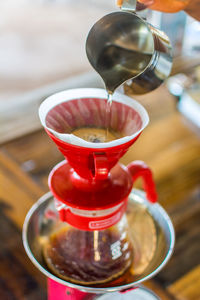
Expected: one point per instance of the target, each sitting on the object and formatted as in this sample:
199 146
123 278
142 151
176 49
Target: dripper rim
73 94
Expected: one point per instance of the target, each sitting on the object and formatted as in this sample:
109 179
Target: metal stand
140 293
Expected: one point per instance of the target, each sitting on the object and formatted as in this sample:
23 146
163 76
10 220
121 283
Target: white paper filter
71 109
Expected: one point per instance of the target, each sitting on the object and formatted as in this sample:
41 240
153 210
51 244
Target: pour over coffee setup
94 236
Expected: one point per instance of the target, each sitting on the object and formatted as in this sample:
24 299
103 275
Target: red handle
101 166
140 169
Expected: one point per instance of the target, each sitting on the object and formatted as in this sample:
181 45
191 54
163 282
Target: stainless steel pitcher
123 48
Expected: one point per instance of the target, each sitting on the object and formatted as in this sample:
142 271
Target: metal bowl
42 218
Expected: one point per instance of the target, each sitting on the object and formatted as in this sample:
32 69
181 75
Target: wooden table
171 149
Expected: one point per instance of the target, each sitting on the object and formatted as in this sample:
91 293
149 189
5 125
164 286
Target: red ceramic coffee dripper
68 110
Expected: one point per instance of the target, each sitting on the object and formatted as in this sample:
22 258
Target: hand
192 7
169 6
146 2
139 3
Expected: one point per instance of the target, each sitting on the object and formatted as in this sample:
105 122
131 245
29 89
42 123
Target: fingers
147 2
119 3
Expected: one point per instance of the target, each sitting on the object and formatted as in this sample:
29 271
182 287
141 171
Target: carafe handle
140 169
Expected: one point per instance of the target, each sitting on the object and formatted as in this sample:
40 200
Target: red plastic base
57 291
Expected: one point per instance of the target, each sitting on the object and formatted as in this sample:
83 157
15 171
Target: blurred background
42 51
42 43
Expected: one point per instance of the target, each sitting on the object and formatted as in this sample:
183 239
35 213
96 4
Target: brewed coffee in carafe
89 257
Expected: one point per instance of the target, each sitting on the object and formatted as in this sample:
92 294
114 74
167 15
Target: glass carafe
89 257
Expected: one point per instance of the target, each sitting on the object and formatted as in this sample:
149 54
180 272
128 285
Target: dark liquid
97 135
87 257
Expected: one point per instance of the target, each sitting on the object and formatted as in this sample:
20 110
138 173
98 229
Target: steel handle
129 5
